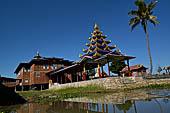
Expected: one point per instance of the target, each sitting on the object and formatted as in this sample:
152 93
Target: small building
33 74
167 69
9 82
136 70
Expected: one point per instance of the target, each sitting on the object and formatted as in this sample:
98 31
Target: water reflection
130 105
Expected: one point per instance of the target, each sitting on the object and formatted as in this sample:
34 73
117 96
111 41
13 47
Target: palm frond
151 5
135 24
133 13
141 5
154 22
143 14
153 17
134 20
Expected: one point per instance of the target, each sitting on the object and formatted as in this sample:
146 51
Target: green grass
154 86
55 95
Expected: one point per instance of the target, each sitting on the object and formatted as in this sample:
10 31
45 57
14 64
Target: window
38 74
25 106
38 111
26 80
26 70
19 73
61 65
45 66
54 66
37 66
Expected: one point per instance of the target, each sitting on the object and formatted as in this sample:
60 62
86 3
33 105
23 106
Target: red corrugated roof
135 67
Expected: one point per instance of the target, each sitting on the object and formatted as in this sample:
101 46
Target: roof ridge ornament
38 53
96 27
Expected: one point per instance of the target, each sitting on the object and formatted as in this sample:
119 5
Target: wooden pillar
84 73
98 68
87 107
108 69
77 76
71 78
106 108
137 73
72 105
41 86
81 75
114 110
15 88
102 71
102 108
97 107
65 74
22 87
142 73
83 105
61 79
145 73
57 79
79 106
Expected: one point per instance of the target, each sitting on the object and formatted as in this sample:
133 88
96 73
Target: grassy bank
154 86
90 91
55 95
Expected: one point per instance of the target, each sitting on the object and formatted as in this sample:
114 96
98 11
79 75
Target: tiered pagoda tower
98 54
98 46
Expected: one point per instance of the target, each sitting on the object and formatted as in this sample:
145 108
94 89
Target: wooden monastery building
32 74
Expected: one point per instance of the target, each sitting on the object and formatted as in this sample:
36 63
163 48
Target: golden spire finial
77 62
96 27
80 55
118 51
38 53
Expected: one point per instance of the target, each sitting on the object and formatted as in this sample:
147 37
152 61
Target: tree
91 72
142 15
116 67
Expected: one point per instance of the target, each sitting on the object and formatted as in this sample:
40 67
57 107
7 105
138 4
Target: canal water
138 101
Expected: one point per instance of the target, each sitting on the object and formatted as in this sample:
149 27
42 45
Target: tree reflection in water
125 107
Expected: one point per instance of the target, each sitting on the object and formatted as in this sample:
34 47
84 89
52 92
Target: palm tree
142 15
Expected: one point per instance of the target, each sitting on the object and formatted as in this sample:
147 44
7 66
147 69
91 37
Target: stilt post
22 88
41 86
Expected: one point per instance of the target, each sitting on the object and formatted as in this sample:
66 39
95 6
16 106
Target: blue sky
60 28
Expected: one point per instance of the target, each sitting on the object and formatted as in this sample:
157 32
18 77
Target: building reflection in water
68 107
80 107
